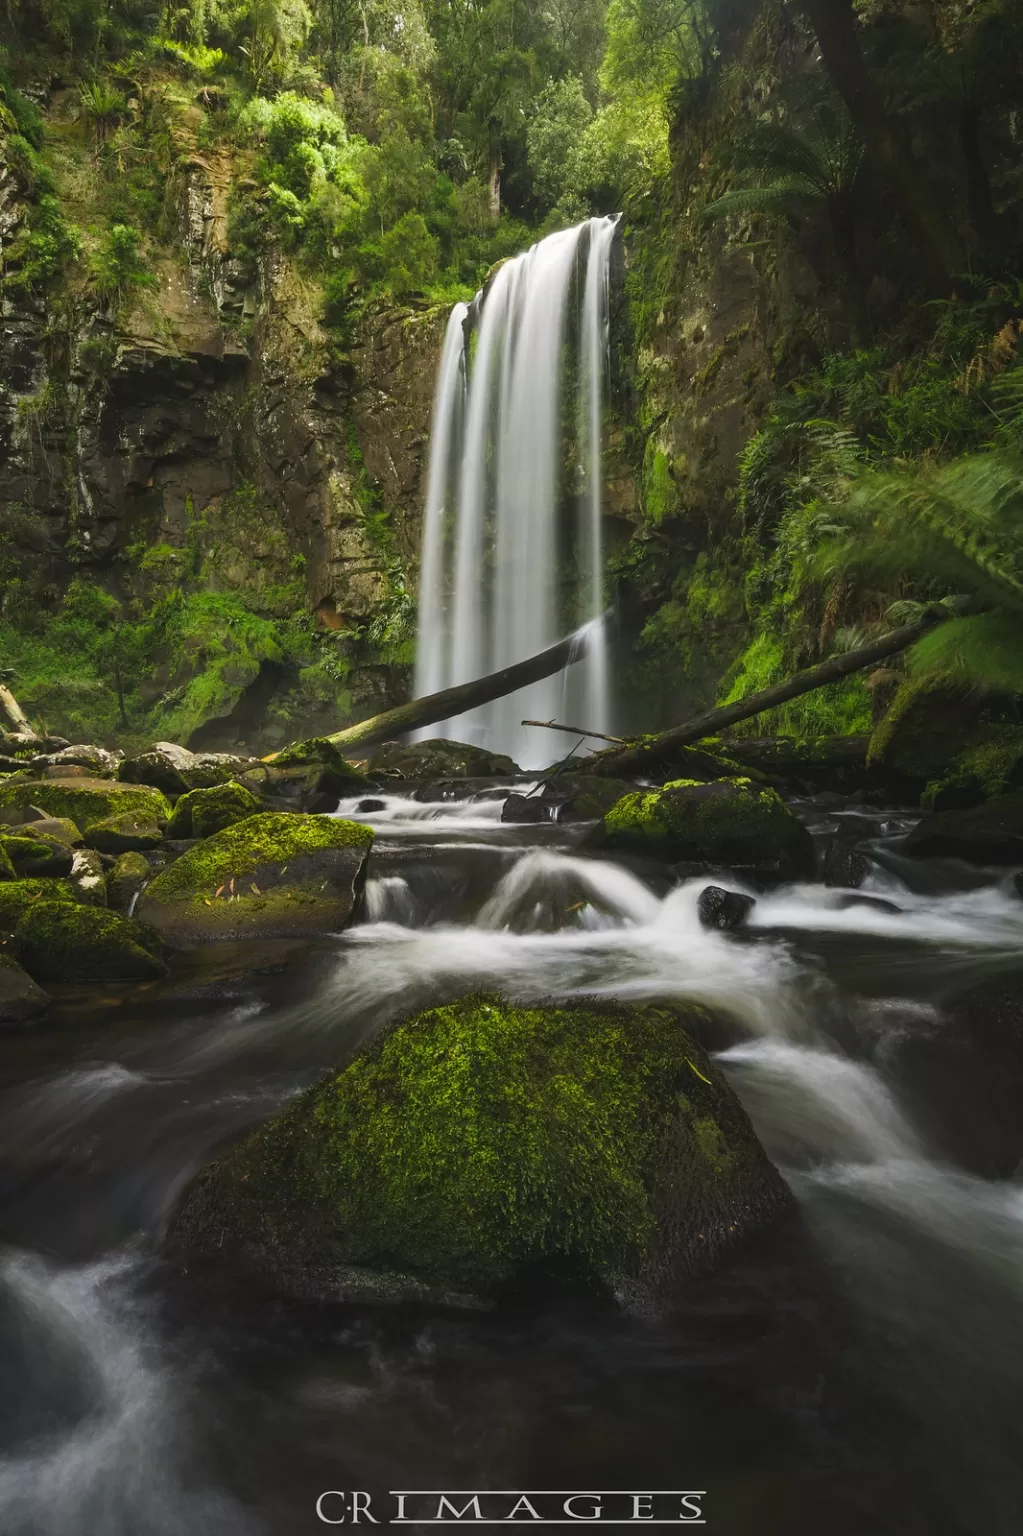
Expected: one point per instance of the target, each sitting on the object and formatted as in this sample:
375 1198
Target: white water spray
496 542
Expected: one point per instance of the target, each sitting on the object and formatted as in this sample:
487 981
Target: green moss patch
17 896
204 812
85 801
57 941
477 1141
732 822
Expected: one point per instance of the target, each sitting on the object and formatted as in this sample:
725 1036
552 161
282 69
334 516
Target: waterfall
512 554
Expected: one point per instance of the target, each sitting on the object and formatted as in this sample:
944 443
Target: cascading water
496 541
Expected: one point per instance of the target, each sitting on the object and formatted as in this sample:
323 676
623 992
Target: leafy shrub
118 268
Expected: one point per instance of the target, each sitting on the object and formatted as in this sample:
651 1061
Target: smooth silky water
859 1369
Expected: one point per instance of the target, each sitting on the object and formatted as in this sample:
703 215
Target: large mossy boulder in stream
730 823
957 744
279 874
68 941
477 1145
84 801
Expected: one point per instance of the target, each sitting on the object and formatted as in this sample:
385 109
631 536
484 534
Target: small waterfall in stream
504 571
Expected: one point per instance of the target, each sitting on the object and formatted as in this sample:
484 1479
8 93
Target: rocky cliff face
218 435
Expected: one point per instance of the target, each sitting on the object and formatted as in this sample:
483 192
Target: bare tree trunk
834 22
634 759
456 701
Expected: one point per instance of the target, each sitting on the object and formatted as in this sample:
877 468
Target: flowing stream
512 554
858 1369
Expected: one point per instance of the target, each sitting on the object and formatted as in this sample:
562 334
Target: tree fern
959 525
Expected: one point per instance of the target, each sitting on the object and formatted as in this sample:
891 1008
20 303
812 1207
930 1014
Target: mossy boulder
928 723
84 800
37 855
732 823
19 896
478 1143
991 833
7 870
21 999
59 829
202 812
60 941
127 832
804 764
279 874
125 881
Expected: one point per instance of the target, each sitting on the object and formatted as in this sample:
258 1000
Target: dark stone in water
525 810
366 806
718 908
842 864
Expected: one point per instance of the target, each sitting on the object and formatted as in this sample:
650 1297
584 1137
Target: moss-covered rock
20 997
202 812
61 941
37 855
731 822
928 723
60 829
127 832
18 896
279 874
991 833
7 870
85 801
125 881
477 1143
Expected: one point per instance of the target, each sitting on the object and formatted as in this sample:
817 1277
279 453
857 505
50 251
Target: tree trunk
835 25
15 716
978 186
634 759
456 701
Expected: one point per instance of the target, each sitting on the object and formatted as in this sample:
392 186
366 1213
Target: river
859 1369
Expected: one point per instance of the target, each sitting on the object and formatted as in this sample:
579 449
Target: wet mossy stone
202 812
60 829
18 896
928 723
478 1143
124 882
37 855
732 823
21 999
991 833
804 764
127 832
85 801
7 869
57 941
175 769
279 874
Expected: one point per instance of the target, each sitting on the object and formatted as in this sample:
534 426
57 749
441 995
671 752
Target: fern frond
986 648
961 523
779 199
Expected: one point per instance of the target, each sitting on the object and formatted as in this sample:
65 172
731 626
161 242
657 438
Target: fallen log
636 757
450 702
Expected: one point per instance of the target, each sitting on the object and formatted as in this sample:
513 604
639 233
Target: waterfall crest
512 553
